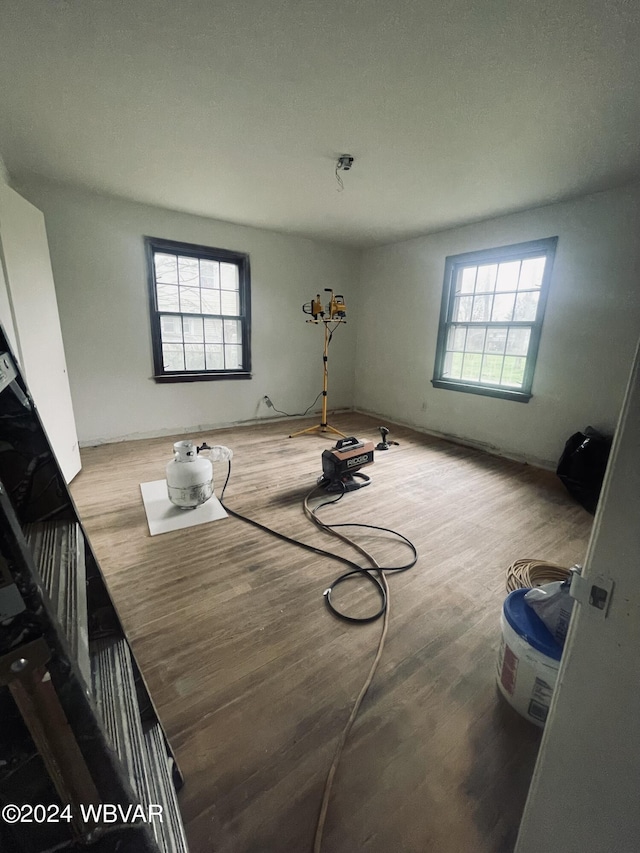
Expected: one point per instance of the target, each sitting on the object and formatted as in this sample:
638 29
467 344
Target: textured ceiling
454 110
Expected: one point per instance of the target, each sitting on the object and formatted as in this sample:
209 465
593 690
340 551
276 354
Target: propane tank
189 476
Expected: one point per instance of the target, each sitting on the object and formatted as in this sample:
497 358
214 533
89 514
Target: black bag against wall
583 464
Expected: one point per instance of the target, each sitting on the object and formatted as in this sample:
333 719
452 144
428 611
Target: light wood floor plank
254 679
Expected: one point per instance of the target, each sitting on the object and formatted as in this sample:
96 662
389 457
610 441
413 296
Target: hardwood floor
254 679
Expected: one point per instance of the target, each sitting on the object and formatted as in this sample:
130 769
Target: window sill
201 377
483 390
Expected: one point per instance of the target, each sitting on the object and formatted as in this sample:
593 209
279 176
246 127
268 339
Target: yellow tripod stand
336 312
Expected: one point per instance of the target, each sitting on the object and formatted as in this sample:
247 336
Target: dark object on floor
583 464
384 444
343 462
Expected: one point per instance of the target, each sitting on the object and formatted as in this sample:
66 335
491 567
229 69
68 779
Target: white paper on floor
163 516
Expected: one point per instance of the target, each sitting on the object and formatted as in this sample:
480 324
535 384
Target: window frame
453 263
192 250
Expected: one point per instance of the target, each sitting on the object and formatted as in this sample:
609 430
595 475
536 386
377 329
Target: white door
31 300
585 792
6 316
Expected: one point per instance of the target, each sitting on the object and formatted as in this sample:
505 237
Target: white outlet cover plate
163 516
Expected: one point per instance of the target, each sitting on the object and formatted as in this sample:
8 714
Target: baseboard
199 429
465 441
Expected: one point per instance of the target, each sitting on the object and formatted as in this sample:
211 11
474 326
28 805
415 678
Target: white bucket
526 677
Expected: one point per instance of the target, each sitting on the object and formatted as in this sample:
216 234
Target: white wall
393 293
101 279
586 784
588 338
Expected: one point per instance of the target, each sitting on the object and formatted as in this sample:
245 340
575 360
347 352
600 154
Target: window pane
518 343
503 307
496 340
232 357
214 356
475 340
229 277
508 275
171 329
481 308
466 280
462 308
166 268
194 356
491 369
526 305
457 335
167 297
229 302
232 334
531 273
172 357
188 270
210 301
212 330
209 274
471 366
513 371
453 365
486 281
193 331
190 300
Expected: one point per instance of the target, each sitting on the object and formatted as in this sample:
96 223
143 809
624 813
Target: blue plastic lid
526 622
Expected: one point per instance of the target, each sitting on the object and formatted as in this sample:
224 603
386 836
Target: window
200 312
493 304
